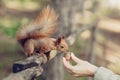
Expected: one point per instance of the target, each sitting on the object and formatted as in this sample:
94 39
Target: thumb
66 64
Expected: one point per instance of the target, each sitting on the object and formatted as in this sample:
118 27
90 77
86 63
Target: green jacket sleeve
105 74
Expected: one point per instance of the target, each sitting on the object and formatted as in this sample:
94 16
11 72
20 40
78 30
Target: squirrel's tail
43 26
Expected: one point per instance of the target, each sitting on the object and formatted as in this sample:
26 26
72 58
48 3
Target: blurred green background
15 13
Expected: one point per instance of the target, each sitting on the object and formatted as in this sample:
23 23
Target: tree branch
29 68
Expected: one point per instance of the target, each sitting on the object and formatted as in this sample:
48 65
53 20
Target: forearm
105 74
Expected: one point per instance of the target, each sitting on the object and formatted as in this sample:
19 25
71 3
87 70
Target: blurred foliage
24 4
109 12
10 27
77 46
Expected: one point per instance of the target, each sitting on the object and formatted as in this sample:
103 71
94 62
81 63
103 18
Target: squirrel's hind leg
29 48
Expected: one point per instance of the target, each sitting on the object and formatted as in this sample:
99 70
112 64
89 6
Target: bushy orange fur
34 37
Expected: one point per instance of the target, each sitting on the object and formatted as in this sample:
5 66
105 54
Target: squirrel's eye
62 47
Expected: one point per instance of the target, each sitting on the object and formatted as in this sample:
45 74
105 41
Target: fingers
67 65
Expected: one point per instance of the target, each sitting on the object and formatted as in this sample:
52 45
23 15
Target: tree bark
53 70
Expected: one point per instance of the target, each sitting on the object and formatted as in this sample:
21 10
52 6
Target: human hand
81 69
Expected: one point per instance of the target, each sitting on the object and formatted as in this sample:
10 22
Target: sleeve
105 74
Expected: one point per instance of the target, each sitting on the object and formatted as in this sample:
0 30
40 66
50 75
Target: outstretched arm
86 69
82 68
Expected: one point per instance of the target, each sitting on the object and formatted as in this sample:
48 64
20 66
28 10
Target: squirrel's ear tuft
58 41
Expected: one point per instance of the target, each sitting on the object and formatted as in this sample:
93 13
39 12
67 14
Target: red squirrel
34 37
